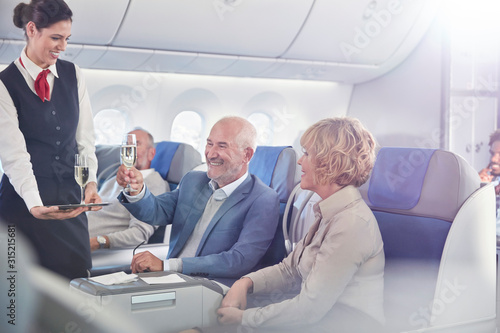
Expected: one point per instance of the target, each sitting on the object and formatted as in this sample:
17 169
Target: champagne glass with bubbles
129 152
81 173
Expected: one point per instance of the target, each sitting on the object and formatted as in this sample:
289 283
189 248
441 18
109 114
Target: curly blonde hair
343 151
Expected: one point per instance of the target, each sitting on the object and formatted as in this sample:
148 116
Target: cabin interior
419 74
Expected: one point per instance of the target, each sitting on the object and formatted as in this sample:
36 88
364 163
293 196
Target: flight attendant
46 119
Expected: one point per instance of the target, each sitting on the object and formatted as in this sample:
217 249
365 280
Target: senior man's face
226 162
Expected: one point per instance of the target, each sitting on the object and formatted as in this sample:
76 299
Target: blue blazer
237 237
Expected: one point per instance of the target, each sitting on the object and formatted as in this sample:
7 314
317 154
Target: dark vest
49 128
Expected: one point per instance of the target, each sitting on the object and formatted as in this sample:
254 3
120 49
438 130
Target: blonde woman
339 265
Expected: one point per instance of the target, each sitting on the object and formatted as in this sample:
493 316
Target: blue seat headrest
264 161
398 176
421 182
165 151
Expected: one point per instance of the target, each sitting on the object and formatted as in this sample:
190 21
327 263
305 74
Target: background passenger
223 220
113 226
46 119
339 265
492 172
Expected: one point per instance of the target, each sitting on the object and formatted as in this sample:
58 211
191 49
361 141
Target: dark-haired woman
45 117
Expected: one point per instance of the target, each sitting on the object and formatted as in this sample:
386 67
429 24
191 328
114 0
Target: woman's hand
227 316
54 213
236 297
91 195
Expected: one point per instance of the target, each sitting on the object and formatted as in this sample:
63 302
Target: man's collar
231 187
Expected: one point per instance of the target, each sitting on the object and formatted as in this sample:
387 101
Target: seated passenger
113 226
339 265
491 174
223 220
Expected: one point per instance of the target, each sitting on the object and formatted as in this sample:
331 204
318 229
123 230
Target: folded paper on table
171 278
114 278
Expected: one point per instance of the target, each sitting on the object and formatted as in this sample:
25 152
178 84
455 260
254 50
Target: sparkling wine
82 175
129 155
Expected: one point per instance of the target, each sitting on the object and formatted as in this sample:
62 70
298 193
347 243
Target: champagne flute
129 152
81 173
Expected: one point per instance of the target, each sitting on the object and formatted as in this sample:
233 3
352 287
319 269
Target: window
264 126
187 127
109 126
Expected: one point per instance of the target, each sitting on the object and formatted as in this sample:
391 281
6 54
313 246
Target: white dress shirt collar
32 68
229 188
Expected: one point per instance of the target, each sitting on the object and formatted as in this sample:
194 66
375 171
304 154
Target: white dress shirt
13 153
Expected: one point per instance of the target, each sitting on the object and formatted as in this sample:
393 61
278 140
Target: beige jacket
341 259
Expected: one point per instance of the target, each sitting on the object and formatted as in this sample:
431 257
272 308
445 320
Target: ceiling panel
246 66
167 61
208 64
116 57
89 55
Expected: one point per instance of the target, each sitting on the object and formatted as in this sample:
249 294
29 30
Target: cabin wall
404 107
152 100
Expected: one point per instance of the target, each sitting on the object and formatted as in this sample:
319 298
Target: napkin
171 278
114 278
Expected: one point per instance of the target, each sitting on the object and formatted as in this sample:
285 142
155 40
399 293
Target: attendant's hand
146 261
130 176
91 195
485 175
54 213
227 316
236 297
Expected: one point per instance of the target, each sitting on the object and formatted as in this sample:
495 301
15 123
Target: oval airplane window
187 127
109 126
264 125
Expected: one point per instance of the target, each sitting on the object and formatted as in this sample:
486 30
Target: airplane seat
438 228
277 168
108 161
298 216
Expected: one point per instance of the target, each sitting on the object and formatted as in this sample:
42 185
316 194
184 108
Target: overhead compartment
259 28
11 49
96 22
365 32
325 40
7 28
